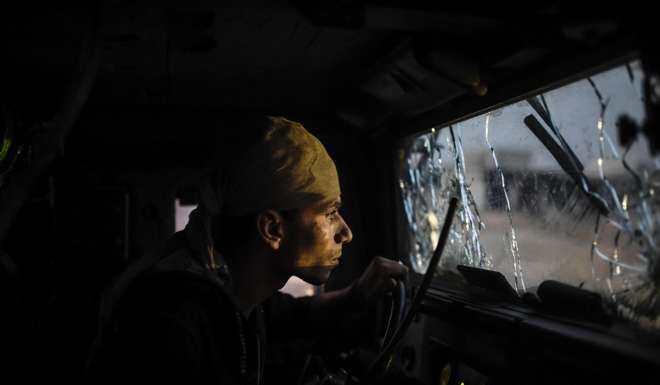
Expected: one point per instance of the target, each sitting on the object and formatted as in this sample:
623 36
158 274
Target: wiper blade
567 161
544 113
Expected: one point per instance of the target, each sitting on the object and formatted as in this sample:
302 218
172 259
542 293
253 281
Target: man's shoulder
176 283
174 291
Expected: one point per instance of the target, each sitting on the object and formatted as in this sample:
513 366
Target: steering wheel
398 319
381 364
397 307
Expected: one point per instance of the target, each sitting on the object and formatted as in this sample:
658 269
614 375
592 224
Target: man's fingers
392 283
388 266
382 274
401 269
395 269
386 285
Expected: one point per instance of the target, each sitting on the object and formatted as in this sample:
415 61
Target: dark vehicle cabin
542 122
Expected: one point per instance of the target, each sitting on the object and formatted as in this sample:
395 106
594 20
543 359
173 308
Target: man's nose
345 235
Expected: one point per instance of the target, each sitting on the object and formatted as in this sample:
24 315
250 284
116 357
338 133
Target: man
194 313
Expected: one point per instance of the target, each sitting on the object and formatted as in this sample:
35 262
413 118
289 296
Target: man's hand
328 310
378 279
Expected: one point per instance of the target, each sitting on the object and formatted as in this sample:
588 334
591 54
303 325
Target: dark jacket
174 322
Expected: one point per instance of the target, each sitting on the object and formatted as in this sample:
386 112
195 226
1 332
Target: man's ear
270 225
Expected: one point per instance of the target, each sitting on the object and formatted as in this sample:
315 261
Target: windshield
547 192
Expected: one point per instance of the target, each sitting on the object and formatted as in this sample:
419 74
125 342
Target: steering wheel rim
397 302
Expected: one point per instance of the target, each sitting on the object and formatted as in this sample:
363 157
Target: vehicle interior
505 153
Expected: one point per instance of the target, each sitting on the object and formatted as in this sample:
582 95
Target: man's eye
332 213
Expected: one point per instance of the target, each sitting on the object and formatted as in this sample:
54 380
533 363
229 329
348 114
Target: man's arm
379 278
330 313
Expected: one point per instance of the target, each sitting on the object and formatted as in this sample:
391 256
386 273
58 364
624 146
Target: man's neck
253 282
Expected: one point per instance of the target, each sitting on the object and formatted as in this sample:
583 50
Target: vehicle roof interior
357 73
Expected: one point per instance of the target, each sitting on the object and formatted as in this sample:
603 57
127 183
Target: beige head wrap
287 168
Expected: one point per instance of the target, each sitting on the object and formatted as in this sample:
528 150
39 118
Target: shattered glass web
523 216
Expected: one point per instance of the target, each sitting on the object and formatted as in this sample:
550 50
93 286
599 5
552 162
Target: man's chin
315 275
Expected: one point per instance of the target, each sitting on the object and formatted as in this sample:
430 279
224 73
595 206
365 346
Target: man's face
314 239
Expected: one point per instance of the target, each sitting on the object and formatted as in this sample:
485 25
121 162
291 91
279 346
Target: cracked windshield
550 189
